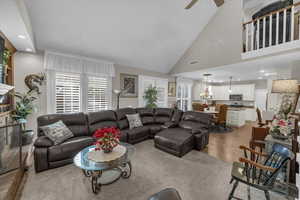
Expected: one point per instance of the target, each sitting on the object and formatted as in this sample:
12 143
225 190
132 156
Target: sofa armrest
169 125
43 141
199 131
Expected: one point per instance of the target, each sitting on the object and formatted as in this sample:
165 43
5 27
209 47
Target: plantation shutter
99 97
67 93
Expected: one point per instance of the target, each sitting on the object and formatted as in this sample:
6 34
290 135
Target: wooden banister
272 13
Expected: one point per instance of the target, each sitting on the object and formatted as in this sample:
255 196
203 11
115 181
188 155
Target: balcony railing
275 28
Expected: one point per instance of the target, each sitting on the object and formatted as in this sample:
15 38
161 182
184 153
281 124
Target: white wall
220 42
25 64
133 102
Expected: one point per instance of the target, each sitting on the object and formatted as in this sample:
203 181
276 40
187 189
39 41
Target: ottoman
177 141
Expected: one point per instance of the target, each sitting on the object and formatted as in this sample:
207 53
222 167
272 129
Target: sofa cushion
101 119
58 132
43 141
203 118
121 117
192 125
147 120
76 122
134 120
145 111
154 128
69 148
137 134
176 117
146 115
162 115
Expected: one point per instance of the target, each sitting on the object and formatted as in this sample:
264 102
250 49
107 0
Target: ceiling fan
218 3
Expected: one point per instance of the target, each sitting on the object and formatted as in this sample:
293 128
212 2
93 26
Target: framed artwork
172 89
129 85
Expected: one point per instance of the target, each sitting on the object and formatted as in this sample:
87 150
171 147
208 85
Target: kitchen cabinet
222 92
235 118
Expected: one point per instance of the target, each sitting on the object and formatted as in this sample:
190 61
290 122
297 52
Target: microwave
236 97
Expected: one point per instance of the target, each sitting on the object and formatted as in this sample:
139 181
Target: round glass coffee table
104 173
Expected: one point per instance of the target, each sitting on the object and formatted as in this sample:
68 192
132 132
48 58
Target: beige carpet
197 176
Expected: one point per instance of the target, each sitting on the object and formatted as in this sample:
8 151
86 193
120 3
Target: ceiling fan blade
191 4
219 2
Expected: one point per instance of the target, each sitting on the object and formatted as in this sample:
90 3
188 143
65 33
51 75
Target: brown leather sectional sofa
174 131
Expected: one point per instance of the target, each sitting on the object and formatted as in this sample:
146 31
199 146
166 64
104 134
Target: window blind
98 93
67 93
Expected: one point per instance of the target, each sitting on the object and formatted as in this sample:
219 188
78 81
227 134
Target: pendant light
230 84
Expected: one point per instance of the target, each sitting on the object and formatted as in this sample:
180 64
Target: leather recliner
191 132
168 126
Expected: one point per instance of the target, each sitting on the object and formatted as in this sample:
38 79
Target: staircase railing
275 28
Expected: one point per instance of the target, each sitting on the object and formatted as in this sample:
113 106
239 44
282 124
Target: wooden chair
294 166
220 118
198 107
259 118
260 173
258 137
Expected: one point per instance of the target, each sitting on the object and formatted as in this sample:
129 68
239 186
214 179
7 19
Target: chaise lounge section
173 131
180 138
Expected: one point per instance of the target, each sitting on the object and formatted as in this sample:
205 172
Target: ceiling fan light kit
193 2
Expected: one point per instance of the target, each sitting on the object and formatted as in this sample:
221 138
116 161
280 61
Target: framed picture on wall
129 85
172 89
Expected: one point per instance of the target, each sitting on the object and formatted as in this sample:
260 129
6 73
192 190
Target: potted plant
24 107
106 139
151 97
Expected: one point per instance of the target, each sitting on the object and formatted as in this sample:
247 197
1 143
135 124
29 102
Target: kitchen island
237 116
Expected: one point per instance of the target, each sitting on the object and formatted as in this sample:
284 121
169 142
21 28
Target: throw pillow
58 132
134 121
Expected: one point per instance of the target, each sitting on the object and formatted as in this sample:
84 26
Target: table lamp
286 87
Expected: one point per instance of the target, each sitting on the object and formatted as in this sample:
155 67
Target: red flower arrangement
106 139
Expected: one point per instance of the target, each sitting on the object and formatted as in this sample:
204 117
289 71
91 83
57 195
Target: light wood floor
225 146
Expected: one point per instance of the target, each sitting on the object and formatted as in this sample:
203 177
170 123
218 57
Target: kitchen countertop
236 108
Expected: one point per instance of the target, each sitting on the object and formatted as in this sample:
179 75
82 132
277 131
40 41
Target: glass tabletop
81 160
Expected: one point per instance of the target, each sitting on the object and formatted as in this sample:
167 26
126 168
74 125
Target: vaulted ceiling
148 34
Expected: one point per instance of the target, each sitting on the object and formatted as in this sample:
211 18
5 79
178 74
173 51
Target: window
76 93
184 96
67 93
98 93
162 88
77 84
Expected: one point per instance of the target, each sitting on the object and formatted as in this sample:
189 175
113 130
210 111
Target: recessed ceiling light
259 77
21 36
239 79
262 71
28 49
